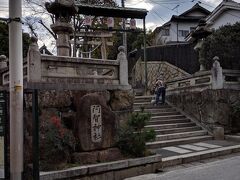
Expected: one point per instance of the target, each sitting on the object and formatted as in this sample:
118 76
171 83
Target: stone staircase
172 127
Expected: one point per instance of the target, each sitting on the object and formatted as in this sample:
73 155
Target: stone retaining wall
210 107
155 69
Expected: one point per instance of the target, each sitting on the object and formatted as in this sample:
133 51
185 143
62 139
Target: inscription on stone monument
96 123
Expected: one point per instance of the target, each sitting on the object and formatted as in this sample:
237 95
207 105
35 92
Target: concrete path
227 169
193 147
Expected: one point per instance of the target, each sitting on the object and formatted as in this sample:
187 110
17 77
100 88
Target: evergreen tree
224 43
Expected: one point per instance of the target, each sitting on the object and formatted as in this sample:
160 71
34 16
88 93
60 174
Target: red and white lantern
110 22
132 24
88 21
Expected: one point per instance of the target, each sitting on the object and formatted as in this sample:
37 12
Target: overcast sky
160 11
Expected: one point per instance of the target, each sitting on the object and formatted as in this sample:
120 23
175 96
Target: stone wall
74 110
155 70
210 107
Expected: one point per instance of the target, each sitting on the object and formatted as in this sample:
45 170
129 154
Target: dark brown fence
180 55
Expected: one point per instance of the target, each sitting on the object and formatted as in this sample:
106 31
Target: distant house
178 27
44 50
227 12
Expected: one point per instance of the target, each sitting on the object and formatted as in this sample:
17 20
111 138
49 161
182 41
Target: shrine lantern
132 24
88 21
110 22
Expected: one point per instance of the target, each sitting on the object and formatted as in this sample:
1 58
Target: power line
200 2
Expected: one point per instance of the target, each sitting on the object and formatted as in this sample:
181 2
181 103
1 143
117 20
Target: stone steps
177 130
165 143
148 105
168 121
170 126
171 113
157 110
165 117
180 135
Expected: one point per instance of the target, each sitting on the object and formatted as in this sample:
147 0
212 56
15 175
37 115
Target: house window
165 32
183 33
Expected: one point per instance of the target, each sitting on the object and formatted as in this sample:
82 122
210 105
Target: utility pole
16 89
145 57
124 33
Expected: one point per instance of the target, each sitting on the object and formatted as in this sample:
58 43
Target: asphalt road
227 169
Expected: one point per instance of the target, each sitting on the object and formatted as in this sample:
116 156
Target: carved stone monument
95 123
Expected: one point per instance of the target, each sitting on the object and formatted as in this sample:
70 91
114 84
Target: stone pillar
34 62
217 74
3 62
63 31
123 69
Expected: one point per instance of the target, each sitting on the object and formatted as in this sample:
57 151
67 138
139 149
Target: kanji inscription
96 123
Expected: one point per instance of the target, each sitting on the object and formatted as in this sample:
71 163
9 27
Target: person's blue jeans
160 92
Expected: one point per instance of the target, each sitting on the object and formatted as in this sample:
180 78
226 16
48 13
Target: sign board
132 24
96 123
88 20
110 22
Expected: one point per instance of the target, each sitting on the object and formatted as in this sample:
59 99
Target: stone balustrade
61 72
200 81
216 78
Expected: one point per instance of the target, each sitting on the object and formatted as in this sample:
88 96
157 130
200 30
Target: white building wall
227 17
181 26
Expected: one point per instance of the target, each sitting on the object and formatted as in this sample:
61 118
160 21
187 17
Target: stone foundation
210 107
69 107
117 170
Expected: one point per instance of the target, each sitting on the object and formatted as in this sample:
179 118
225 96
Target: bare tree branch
48 29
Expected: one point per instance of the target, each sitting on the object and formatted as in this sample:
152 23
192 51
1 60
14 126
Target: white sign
110 22
96 123
132 24
88 20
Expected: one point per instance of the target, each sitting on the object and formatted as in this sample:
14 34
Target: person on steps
161 91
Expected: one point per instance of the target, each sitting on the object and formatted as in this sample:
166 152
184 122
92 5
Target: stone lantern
63 11
200 34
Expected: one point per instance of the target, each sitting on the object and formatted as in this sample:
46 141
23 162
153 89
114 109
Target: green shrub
224 43
132 137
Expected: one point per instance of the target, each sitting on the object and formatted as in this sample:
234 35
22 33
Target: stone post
34 62
3 62
123 69
218 133
217 74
